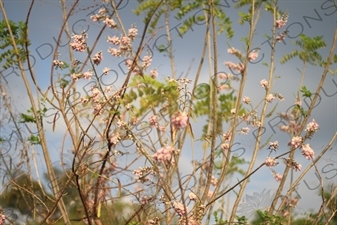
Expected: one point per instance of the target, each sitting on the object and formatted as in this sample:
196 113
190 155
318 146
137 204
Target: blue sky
309 17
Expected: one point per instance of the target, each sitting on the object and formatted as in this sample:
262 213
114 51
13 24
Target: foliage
19 33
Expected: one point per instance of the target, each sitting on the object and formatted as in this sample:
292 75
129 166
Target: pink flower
286 213
225 147
94 18
296 142
114 40
146 61
114 138
125 40
79 42
281 36
270 162
223 76
153 121
307 152
153 73
87 75
270 98
110 23
282 22
279 24
252 56
223 87
58 64
107 89
192 196
214 181
164 154
244 130
235 52
162 128
102 11
277 177
284 128
273 146
227 136
238 67
132 33
293 202
312 127
241 67
106 70
179 120
264 83
296 166
246 100
75 76
232 50
179 208
114 52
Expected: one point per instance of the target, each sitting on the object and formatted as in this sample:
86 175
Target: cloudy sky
313 18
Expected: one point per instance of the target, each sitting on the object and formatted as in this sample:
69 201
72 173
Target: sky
313 18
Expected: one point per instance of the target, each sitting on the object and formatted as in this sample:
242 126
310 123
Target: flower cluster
214 181
123 43
277 176
234 51
225 147
132 33
264 83
192 196
237 67
246 100
141 174
153 73
296 142
146 61
307 151
273 146
244 130
100 16
106 70
58 64
153 121
86 75
114 138
179 208
270 98
79 43
292 128
98 57
252 56
110 23
164 154
281 36
270 162
312 127
282 22
293 164
153 221
227 136
179 120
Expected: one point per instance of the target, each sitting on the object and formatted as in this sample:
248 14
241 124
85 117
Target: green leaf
34 140
25 118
